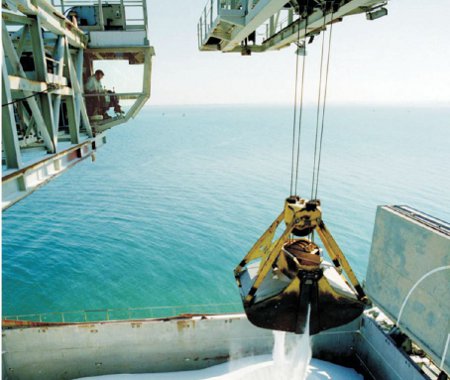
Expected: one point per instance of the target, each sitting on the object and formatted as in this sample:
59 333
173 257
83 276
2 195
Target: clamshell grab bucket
282 300
279 279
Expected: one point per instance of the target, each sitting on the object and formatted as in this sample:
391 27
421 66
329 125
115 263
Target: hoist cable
26 97
297 167
324 104
318 106
294 120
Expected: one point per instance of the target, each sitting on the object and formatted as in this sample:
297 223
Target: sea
178 196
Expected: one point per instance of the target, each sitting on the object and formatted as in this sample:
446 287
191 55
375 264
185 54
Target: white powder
252 368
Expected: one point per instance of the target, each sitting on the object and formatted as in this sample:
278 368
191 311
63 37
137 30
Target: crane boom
248 26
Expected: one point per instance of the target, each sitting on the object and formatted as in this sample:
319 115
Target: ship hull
179 344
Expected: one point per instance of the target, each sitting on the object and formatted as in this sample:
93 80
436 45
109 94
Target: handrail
209 15
131 18
96 315
215 8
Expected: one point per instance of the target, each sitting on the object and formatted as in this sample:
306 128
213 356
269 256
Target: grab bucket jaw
279 279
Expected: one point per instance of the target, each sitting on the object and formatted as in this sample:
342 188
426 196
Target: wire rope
297 169
324 103
26 97
320 126
316 140
295 119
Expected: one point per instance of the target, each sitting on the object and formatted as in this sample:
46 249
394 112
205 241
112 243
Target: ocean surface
178 196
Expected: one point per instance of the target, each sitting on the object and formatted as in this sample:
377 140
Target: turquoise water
178 196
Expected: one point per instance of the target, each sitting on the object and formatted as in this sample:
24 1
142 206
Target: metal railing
214 8
127 314
207 19
135 11
272 28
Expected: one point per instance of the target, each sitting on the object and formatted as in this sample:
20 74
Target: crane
285 282
49 50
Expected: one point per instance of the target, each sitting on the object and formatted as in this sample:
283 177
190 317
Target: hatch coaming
408 277
186 343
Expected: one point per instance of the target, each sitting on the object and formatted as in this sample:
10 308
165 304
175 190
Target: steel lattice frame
45 125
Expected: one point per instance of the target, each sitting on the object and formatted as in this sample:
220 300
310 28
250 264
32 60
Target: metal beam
18 184
40 67
15 19
78 90
79 101
11 54
73 116
221 35
73 120
121 49
58 56
9 130
315 22
23 39
53 20
255 17
30 124
24 84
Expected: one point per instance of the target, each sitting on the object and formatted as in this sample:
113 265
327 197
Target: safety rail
276 24
129 102
121 95
230 11
135 11
128 313
207 19
215 8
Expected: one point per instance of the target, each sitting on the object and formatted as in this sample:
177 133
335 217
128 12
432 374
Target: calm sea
178 196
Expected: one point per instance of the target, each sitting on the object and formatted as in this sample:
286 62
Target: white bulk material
252 368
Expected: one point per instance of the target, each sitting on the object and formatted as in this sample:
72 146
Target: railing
272 28
135 11
207 19
215 8
129 313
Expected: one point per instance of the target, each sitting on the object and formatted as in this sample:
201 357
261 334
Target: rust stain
11 324
87 326
136 324
94 331
185 324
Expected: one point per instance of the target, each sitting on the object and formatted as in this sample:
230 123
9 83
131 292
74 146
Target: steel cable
295 118
324 104
27 97
301 102
316 141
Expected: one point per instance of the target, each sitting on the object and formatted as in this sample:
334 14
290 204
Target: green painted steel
409 276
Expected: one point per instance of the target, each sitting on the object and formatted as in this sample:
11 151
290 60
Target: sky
400 59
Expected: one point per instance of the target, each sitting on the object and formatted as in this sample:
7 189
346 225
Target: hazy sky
403 58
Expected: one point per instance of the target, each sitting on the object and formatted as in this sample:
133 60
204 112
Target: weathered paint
74 350
409 276
87 349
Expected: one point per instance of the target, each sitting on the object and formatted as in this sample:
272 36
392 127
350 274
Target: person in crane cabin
99 105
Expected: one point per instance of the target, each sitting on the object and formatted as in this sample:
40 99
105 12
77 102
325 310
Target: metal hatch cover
408 276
